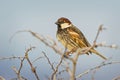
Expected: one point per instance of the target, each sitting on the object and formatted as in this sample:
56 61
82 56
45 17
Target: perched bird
71 37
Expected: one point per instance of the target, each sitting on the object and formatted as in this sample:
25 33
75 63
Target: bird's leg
71 51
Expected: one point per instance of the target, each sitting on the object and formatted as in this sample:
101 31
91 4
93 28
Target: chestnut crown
63 20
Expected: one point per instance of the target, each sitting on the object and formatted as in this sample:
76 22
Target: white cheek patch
65 25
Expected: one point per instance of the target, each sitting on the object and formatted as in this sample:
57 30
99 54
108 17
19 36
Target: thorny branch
73 59
53 45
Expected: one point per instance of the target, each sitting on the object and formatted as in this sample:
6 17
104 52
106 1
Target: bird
72 38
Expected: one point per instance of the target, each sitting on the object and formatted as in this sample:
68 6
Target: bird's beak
56 23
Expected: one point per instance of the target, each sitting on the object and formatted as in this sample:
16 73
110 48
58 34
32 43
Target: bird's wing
77 36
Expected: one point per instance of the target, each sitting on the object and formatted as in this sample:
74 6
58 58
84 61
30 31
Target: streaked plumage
71 37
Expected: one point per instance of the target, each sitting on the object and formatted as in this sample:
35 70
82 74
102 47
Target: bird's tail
97 53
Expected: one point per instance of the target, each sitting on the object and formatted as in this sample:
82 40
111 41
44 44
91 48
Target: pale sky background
40 16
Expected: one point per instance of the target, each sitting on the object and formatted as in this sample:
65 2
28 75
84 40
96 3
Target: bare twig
15 34
99 29
114 46
93 74
42 39
82 51
33 69
10 58
96 68
53 77
54 46
51 65
74 59
17 73
19 70
21 65
2 78
37 59
116 78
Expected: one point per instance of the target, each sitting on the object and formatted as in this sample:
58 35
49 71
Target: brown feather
72 38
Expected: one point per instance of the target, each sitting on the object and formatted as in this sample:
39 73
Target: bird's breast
64 38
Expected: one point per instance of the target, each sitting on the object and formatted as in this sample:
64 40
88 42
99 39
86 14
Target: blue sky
40 16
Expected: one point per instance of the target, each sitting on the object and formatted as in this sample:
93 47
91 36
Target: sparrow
72 38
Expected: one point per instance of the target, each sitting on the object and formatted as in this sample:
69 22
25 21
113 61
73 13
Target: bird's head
63 22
